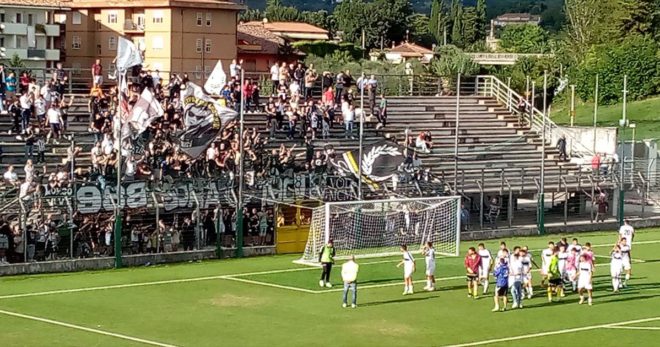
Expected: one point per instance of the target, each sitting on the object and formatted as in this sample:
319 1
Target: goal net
377 228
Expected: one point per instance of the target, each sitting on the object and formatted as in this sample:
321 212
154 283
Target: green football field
268 301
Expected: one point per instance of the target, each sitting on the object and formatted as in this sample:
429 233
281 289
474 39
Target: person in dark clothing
561 147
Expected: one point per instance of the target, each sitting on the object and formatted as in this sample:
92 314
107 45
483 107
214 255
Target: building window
19 18
208 19
112 43
199 19
157 17
29 19
198 46
76 18
2 17
112 17
207 71
2 41
157 42
75 42
207 46
198 72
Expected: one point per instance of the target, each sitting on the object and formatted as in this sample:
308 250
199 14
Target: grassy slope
227 313
645 113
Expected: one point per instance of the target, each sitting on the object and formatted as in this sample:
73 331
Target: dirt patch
386 328
231 300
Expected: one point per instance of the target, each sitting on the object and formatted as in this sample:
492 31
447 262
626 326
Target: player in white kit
408 263
627 232
486 265
527 262
546 256
625 260
615 267
429 256
503 252
584 276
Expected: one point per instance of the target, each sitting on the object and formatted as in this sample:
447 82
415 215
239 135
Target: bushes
325 48
635 56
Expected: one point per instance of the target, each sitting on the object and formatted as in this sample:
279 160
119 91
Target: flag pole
118 217
239 207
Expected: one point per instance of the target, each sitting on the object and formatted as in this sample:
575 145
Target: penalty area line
555 332
82 328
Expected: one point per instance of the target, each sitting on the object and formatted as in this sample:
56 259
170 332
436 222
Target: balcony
52 29
33 54
13 29
130 27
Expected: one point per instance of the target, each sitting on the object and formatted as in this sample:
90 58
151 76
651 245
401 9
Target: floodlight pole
541 212
360 139
595 115
624 124
456 129
239 205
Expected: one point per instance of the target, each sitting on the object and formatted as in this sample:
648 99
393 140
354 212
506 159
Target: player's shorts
430 269
584 283
472 277
615 270
626 264
570 274
555 282
483 272
502 291
527 277
407 270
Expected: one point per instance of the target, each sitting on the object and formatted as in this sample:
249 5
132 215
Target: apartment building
30 30
175 35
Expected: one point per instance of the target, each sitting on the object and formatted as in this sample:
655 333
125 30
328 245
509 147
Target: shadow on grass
404 299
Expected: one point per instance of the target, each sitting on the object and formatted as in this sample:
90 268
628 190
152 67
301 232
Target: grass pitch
269 301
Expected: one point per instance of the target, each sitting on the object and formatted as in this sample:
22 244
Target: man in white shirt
54 116
349 271
10 176
348 113
26 101
275 77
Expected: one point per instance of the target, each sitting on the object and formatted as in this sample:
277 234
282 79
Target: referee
327 258
349 273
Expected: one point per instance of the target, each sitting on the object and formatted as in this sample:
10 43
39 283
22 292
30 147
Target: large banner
381 162
204 119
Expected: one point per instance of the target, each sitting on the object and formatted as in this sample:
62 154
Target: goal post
376 228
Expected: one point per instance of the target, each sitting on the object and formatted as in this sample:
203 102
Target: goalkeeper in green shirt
327 258
555 282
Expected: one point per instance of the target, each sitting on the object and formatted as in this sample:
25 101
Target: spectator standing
24 83
275 78
349 272
3 82
26 101
40 107
310 79
561 147
299 76
348 113
55 120
10 85
29 138
339 88
97 73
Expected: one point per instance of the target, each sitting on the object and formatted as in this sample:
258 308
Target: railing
493 87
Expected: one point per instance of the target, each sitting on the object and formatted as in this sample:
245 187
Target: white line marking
632 328
90 330
117 286
238 279
554 332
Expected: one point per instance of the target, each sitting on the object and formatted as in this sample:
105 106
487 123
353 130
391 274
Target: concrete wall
129 261
606 138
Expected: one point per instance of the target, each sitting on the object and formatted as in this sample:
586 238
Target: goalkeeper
327 258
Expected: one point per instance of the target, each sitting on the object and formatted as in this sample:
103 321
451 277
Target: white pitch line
238 279
632 328
554 332
116 286
90 330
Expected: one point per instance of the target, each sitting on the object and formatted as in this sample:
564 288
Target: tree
386 19
470 26
524 38
453 61
438 20
456 23
482 21
419 30
16 62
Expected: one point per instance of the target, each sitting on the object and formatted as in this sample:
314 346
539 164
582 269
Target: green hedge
326 48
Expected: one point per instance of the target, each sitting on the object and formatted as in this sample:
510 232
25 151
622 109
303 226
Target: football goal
376 228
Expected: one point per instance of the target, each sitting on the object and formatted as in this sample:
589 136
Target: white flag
128 55
145 111
217 80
